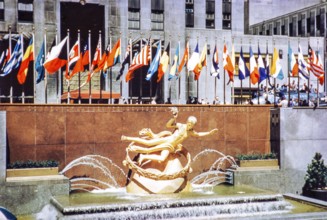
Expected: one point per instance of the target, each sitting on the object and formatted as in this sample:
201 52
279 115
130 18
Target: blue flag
154 64
15 59
39 64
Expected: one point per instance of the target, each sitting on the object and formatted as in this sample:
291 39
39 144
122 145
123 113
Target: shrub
316 176
32 164
256 156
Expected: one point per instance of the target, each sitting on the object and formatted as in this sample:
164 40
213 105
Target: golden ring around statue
161 176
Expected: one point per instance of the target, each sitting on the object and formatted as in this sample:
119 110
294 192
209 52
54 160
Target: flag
215 64
254 72
173 69
57 57
28 57
194 59
139 60
73 56
15 59
228 65
316 66
243 70
184 59
276 67
164 62
39 64
261 66
114 56
293 66
86 56
202 62
81 62
96 58
102 64
126 61
154 64
5 55
303 65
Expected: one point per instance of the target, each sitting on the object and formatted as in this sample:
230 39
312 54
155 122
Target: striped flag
316 66
243 70
57 57
139 60
303 65
28 57
15 58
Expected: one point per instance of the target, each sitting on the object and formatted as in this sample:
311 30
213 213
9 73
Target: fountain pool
218 202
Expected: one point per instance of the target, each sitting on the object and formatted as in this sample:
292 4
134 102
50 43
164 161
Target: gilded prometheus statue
159 150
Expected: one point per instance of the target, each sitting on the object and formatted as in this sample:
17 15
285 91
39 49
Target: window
322 22
25 10
189 13
2 10
210 14
134 14
291 29
157 15
308 25
227 12
299 27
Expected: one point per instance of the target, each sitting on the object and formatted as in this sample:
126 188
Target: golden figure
165 142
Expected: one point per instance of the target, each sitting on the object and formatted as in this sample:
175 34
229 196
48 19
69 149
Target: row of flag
78 59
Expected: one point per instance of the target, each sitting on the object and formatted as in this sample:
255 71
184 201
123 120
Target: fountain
158 185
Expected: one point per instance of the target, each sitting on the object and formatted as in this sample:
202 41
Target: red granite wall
66 132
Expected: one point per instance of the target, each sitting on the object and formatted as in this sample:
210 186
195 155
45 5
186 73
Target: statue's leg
147 150
146 142
160 158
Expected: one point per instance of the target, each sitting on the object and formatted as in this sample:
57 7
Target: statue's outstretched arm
202 134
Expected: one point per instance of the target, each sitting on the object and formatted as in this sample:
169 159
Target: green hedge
32 164
256 156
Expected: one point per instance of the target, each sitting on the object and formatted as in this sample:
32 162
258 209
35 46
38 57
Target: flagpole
67 69
224 79
100 74
10 51
130 63
206 73
33 68
45 71
197 81
79 73
151 77
215 88
188 77
318 78
308 96
289 75
120 58
169 65
110 72
244 75
22 50
59 78
233 62
298 78
274 77
90 63
250 89
179 76
258 93
140 81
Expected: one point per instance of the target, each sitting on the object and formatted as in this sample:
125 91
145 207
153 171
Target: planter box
32 172
315 193
258 163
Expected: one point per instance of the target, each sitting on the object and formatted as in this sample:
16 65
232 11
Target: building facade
212 22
